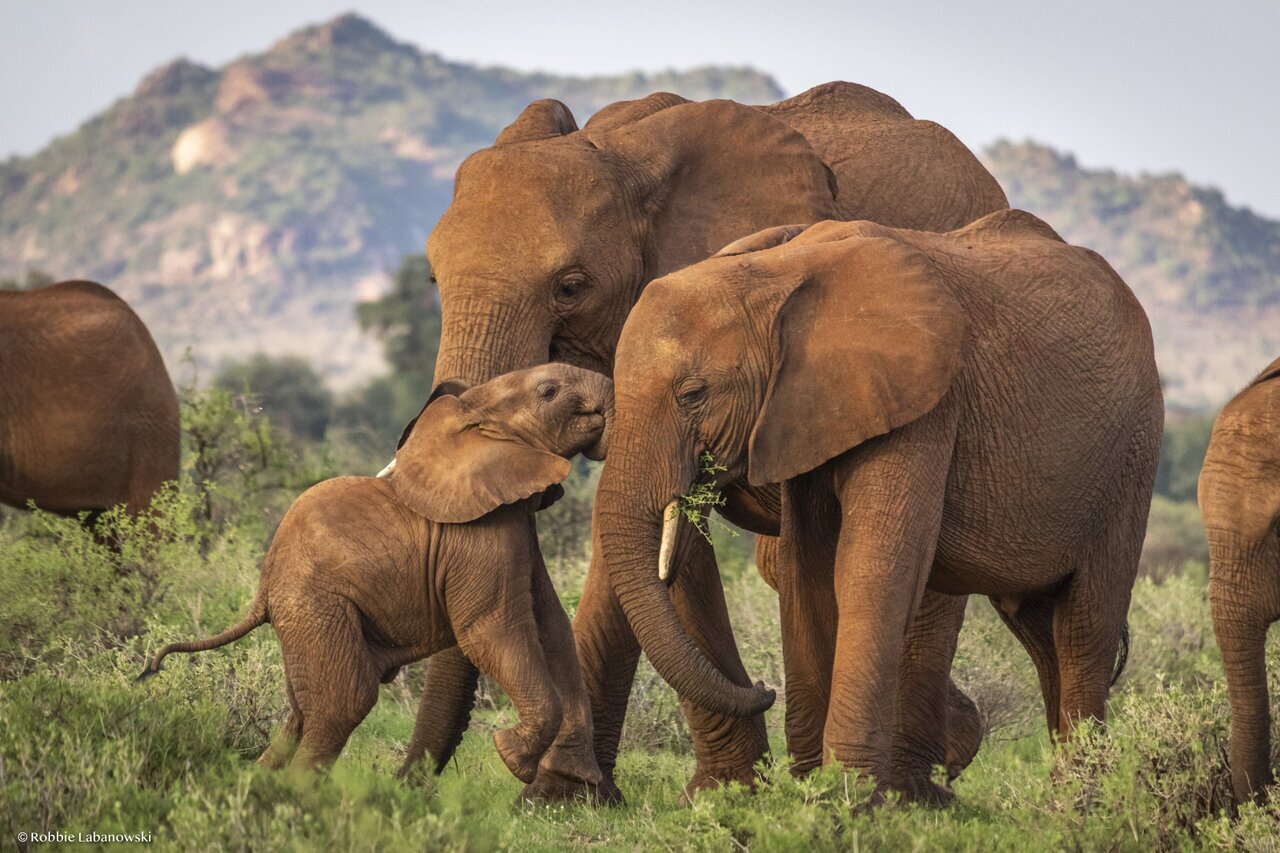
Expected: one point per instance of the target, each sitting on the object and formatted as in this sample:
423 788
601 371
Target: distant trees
407 322
1186 438
287 389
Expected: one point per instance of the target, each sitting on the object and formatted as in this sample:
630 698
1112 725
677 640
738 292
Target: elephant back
891 168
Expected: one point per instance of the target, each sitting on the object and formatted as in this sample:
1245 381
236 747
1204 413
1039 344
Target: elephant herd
822 311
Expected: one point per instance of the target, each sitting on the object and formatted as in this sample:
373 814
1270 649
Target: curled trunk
630 541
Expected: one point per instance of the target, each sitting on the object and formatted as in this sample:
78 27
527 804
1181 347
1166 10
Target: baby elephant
368 574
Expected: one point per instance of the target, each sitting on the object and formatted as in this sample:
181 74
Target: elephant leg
1032 624
726 748
444 710
607 653
510 651
802 575
280 751
1244 592
569 767
891 493
924 730
1087 625
334 682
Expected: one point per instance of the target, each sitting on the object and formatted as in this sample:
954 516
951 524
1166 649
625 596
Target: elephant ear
867 338
714 171
451 470
761 240
540 120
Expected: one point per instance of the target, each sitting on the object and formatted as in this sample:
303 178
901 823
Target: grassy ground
84 748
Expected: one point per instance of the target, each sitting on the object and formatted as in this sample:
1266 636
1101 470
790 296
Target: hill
1208 273
249 207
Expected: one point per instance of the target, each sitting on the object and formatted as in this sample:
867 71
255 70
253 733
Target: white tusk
391 466
670 520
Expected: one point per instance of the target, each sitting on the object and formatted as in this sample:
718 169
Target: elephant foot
520 759
550 788
919 788
706 779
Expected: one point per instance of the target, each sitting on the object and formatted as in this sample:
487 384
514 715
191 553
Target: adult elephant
1240 502
972 412
88 416
550 239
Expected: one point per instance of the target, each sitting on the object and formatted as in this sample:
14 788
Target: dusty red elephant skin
554 232
1240 504
972 412
88 416
368 574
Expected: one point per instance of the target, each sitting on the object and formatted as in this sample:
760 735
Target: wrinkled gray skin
550 239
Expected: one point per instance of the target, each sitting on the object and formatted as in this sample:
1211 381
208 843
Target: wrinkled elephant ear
761 240
714 171
868 338
540 120
451 472
451 387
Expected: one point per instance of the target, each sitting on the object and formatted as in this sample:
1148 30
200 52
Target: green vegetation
287 389
83 747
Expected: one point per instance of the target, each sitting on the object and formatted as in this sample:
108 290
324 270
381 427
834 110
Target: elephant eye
548 391
570 288
692 392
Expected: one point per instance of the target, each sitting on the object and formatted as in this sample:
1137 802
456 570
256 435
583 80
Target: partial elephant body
554 233
972 412
1240 504
88 416
891 168
366 575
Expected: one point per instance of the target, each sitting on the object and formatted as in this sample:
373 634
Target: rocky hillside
249 207
1207 273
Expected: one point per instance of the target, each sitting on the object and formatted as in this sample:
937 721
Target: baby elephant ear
451 472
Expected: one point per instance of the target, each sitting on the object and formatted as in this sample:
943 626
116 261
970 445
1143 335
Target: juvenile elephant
972 412
368 574
88 416
554 232
1240 504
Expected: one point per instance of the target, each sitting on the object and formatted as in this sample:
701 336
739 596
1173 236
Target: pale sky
1138 85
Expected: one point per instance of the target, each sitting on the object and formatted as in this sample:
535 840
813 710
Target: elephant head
501 442
554 231
788 349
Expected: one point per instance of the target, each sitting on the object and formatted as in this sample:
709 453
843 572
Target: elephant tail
257 617
1122 656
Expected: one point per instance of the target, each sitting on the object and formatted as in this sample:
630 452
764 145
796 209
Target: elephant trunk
1240 622
602 392
629 539
482 337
